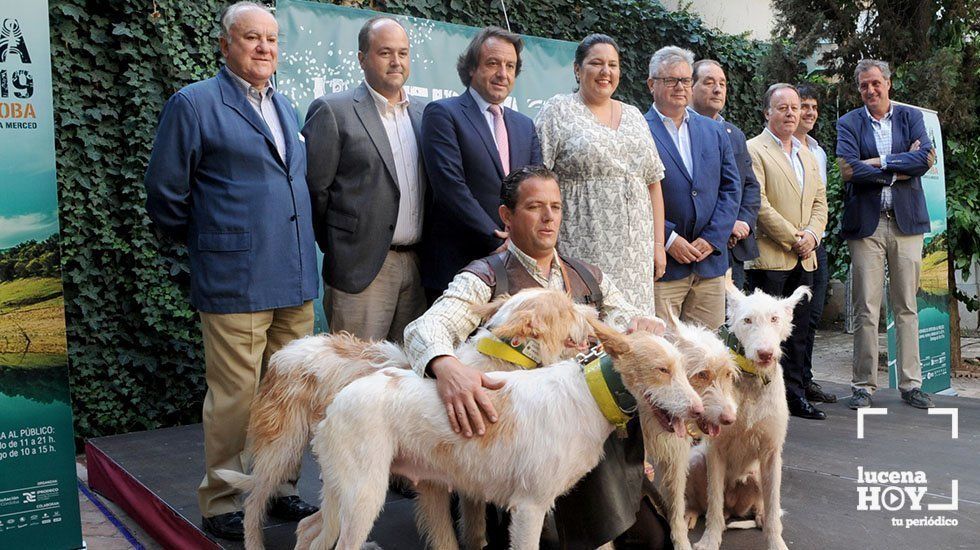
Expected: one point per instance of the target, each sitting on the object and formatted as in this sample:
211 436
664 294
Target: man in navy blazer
702 191
708 97
469 143
883 150
227 176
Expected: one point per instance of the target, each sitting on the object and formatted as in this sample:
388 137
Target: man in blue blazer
708 97
702 191
469 143
883 150
227 176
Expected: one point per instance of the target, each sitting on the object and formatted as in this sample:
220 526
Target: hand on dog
461 388
683 251
647 324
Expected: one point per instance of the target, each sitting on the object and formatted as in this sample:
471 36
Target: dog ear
488 310
523 323
794 298
613 341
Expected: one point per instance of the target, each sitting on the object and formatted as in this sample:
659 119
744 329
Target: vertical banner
933 295
38 486
318 55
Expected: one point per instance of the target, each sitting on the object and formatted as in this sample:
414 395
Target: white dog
550 433
753 445
303 378
711 371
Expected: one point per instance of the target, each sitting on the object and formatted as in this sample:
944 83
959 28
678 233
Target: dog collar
523 353
738 353
606 386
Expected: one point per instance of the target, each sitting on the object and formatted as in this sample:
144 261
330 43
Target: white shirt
820 155
266 109
793 156
484 106
405 152
682 140
882 130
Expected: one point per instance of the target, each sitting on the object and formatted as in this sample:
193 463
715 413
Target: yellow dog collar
507 351
606 386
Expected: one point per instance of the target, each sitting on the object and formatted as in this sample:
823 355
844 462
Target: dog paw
371 546
777 544
710 544
681 544
760 521
691 518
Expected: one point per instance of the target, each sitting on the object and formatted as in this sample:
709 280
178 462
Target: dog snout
727 418
765 355
696 409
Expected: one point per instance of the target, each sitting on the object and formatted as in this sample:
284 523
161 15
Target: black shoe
815 394
804 409
917 398
291 508
230 526
859 399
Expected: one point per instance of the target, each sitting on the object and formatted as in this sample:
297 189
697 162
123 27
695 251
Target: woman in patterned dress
609 172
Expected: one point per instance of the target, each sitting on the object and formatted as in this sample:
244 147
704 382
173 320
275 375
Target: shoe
230 526
291 508
804 409
917 398
815 394
859 400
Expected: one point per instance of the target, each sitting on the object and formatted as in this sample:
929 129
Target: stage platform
154 475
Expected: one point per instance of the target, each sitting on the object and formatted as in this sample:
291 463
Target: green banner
318 55
38 486
933 295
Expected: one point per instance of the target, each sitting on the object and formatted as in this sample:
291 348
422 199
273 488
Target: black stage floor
819 496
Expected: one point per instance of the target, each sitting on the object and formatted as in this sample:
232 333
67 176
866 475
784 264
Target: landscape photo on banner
932 298
318 55
38 485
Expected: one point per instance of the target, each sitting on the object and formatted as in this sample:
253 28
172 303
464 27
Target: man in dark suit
469 143
883 150
701 187
708 97
227 177
367 183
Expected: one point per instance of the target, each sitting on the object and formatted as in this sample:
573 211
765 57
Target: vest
505 274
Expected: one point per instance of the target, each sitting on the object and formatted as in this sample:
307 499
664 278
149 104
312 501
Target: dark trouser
738 273
821 279
783 283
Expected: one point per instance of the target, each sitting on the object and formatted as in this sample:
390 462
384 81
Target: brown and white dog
550 433
303 378
712 373
752 448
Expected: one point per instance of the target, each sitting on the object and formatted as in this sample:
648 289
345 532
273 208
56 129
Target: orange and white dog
304 376
549 434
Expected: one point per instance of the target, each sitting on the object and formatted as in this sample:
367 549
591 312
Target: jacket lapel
367 112
472 112
776 154
664 142
235 98
287 123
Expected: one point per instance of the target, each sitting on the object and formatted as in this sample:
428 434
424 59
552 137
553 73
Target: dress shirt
484 106
882 130
797 163
682 140
821 157
266 109
405 152
451 320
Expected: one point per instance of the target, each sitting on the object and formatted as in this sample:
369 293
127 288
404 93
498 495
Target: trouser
783 283
868 256
692 299
382 310
237 348
821 278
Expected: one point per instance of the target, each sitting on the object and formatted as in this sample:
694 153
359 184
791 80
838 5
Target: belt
403 247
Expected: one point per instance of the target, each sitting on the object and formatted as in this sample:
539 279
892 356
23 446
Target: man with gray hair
227 176
792 218
702 187
883 150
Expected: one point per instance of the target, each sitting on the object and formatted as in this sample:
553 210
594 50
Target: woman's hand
659 261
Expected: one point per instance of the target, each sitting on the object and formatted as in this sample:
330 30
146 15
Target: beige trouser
381 311
237 347
692 299
868 256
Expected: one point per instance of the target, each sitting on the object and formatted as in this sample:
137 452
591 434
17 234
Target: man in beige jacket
791 220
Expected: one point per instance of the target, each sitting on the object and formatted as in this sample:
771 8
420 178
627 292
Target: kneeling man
531 212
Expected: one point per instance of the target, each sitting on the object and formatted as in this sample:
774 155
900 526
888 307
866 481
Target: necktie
500 136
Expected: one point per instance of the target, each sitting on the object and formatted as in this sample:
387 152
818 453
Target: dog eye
747 321
703 375
664 370
774 319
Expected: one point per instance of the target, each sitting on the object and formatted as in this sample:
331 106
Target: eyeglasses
670 81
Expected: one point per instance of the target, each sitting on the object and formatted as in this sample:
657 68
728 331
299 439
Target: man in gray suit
367 182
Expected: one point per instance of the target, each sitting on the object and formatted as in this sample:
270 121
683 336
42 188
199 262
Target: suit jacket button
391 227
694 193
293 217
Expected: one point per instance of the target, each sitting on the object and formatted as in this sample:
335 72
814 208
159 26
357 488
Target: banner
38 485
318 55
933 295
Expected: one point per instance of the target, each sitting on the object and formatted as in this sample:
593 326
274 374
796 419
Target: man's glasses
670 81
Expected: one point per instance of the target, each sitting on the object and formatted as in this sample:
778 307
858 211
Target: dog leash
523 353
738 353
606 386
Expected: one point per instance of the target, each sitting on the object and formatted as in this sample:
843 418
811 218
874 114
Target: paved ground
831 363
